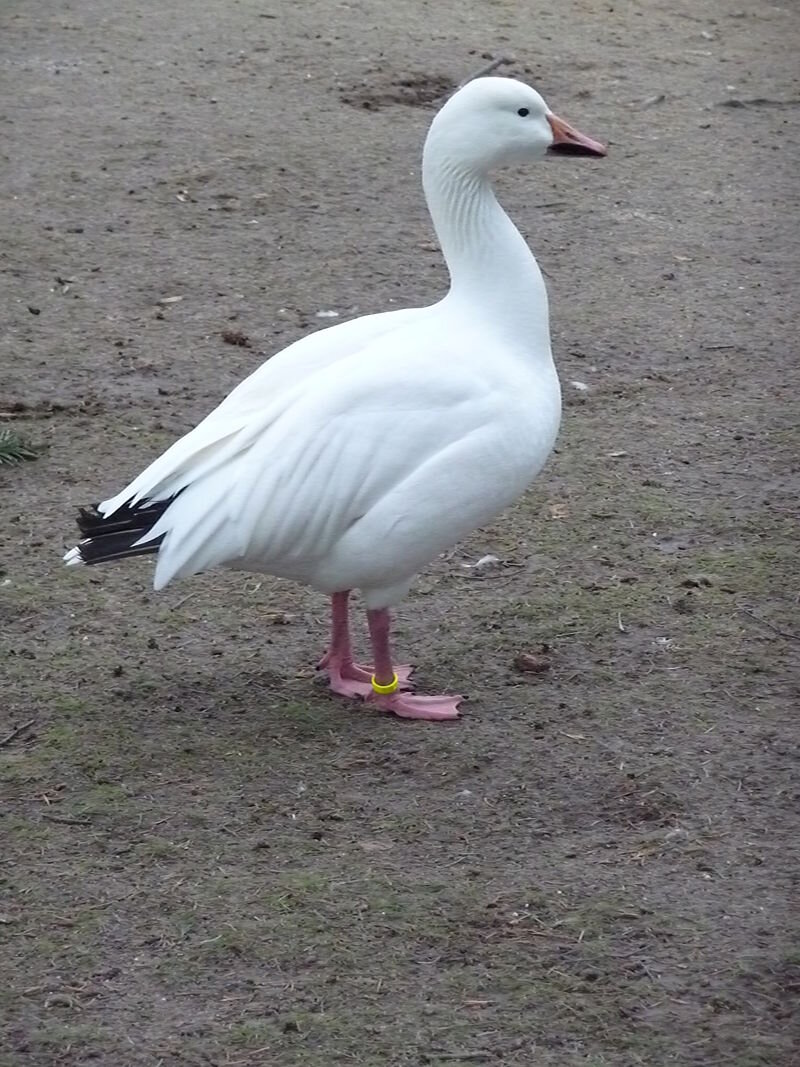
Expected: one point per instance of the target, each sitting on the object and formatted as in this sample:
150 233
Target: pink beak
569 141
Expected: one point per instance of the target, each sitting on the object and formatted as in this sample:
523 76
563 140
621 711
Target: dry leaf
375 846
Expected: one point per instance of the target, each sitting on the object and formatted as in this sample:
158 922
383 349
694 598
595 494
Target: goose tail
118 536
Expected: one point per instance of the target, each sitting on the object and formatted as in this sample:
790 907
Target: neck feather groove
489 262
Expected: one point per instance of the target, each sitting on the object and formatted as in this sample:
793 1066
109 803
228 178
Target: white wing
362 468
249 409
336 452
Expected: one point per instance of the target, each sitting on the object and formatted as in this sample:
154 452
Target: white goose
353 457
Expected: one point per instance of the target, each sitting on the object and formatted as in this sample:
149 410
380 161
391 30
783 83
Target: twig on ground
478 1054
769 625
756 101
15 733
182 601
66 819
501 61
249 1058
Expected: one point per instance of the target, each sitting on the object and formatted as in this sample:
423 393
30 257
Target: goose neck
488 260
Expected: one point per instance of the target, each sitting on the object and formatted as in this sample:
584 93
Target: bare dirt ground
206 858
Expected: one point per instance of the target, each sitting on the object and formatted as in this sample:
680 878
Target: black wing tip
115 536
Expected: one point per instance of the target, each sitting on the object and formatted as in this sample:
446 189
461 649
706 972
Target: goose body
357 454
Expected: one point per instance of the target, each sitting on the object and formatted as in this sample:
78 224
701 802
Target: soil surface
206 858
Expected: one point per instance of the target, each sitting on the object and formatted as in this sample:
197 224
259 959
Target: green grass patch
14 448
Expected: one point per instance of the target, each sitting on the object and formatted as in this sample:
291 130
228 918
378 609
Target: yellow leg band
384 690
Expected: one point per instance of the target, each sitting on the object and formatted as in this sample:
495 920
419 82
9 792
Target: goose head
493 121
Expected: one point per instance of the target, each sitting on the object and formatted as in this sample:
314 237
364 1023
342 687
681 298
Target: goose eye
523 111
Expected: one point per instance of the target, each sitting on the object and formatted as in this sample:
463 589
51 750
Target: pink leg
399 703
347 678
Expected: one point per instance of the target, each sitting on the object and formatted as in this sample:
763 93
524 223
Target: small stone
530 663
697 581
236 337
